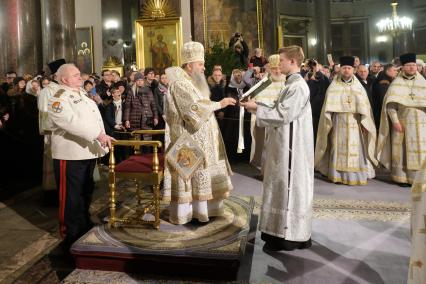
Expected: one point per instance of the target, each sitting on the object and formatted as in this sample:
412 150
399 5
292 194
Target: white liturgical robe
289 165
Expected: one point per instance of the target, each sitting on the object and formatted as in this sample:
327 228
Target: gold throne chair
146 170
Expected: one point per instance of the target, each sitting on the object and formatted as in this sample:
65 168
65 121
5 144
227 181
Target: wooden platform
213 249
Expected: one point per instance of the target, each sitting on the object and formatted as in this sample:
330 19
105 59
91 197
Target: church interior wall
379 46
88 13
119 41
112 30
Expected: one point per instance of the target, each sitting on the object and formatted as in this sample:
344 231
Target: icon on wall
85 60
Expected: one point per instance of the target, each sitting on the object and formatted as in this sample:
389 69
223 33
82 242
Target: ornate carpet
222 237
214 249
362 210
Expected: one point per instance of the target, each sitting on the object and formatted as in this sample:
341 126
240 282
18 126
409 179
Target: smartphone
250 65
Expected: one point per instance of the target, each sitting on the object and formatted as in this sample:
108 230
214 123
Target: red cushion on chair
139 164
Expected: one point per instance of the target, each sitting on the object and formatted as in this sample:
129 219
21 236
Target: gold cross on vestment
354 126
412 96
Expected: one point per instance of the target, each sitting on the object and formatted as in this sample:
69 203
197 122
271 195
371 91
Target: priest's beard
200 83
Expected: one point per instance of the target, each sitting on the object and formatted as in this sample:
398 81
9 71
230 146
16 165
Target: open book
256 89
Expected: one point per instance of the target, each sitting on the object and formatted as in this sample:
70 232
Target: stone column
270 23
20 39
323 27
58 30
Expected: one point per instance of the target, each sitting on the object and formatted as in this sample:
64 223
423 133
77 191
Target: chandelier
395 24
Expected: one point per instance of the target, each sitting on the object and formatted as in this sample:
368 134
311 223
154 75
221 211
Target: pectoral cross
349 99
354 126
412 96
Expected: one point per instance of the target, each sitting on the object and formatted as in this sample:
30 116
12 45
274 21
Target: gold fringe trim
347 182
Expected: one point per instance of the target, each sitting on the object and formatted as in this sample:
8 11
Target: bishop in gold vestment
401 145
346 133
189 111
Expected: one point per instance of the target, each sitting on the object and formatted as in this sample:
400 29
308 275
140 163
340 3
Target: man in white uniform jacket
286 214
78 139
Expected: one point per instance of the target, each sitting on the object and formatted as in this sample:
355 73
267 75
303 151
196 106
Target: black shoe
404 184
268 247
305 245
273 243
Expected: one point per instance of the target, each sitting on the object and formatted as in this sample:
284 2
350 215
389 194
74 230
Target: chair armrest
133 143
148 132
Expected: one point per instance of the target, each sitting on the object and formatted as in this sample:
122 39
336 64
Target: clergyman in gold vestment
401 146
346 137
189 111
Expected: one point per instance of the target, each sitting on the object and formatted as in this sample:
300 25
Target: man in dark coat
217 85
150 79
104 87
241 48
10 76
379 89
366 81
318 84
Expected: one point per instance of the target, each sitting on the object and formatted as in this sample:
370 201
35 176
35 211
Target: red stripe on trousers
62 196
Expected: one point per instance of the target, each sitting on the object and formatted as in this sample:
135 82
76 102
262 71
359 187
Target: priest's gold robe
346 137
403 153
417 269
202 196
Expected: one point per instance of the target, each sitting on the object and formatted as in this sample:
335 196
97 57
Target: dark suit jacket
108 116
367 87
379 89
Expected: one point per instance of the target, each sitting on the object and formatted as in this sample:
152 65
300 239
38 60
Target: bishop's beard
200 82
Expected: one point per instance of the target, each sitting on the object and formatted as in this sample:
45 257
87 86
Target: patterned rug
222 237
362 210
336 209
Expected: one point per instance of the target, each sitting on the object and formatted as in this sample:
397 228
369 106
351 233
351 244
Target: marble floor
360 235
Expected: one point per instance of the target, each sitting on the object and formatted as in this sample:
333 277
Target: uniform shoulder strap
59 93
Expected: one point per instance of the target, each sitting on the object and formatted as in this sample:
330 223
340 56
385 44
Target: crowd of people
136 101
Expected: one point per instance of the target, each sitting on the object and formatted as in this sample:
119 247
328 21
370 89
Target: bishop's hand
227 102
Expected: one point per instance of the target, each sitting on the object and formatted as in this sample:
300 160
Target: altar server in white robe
286 214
